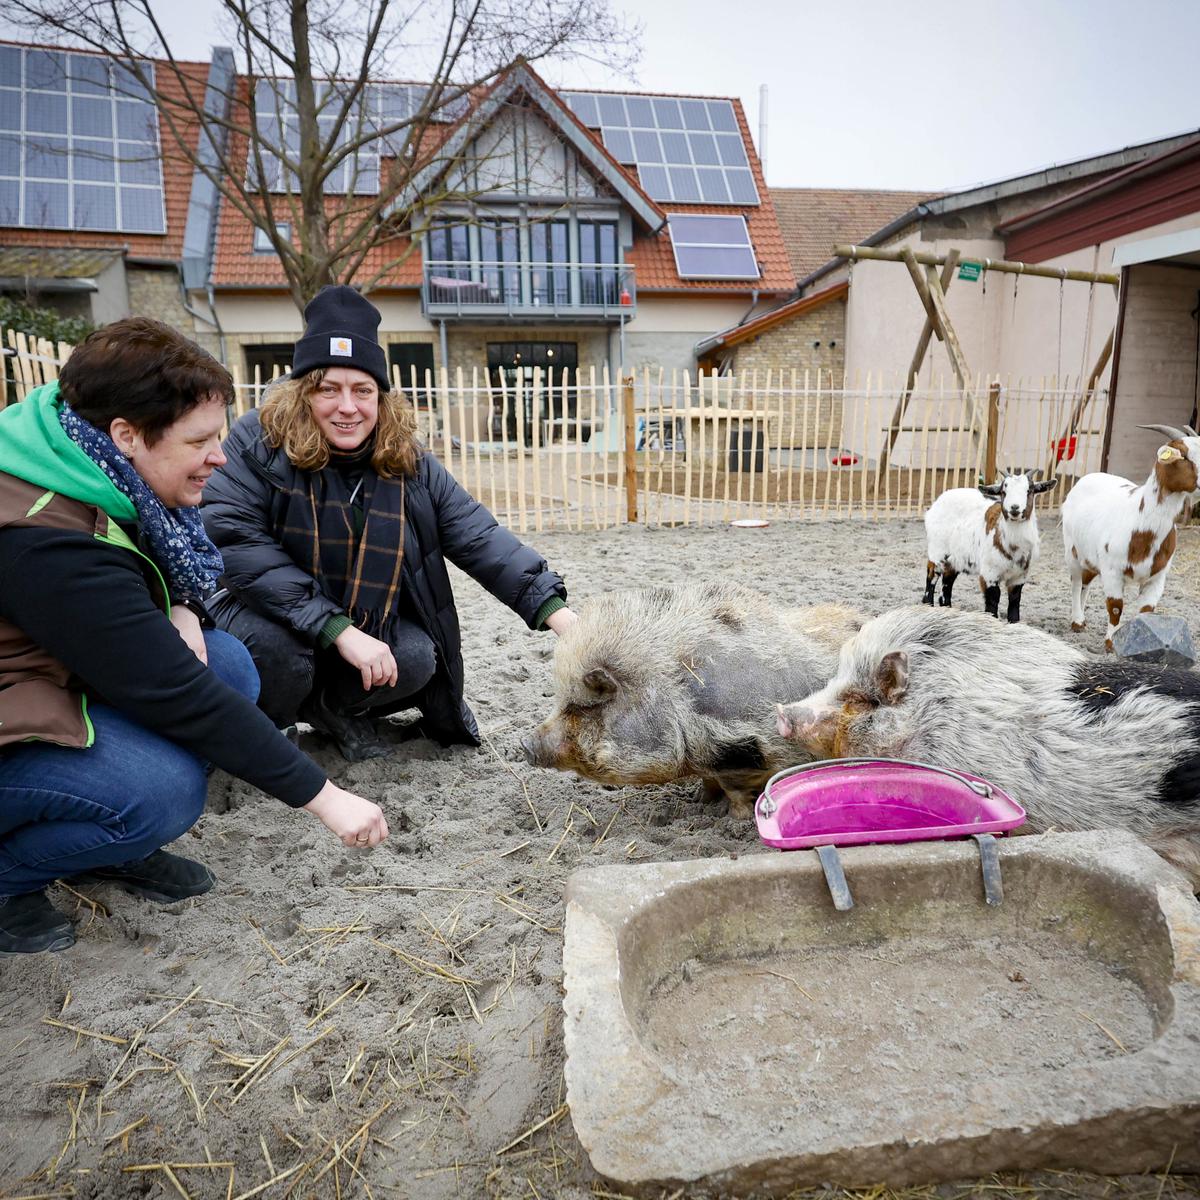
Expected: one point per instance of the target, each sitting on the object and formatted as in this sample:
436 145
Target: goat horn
1166 430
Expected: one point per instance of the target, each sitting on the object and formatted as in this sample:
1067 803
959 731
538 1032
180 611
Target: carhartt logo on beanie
341 329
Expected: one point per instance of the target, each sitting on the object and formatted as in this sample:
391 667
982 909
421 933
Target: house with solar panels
553 229
564 230
94 204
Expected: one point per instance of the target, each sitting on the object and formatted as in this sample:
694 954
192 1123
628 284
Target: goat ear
1044 485
994 490
891 677
601 681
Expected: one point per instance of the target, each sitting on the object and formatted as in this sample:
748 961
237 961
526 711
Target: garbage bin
746 450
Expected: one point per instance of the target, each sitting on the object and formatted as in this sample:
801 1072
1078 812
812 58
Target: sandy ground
388 1023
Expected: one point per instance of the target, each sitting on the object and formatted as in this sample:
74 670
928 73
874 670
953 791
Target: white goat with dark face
1124 533
991 532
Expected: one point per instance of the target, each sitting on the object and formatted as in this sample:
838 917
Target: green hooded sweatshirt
35 447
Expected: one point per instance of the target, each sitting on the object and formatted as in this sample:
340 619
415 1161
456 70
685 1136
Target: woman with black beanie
335 525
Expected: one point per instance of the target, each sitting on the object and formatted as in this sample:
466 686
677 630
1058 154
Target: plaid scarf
361 572
176 536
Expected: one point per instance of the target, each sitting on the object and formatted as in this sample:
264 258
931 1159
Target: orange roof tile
177 183
814 220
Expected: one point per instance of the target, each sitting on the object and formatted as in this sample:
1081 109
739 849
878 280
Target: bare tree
310 137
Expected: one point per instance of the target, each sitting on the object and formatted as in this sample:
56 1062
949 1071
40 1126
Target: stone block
727 1029
1156 638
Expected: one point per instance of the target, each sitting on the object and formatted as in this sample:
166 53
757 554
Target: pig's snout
543 747
533 746
800 723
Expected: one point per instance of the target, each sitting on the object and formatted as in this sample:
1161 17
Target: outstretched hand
359 823
561 620
372 658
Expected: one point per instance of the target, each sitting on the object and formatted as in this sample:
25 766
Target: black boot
354 736
160 876
30 924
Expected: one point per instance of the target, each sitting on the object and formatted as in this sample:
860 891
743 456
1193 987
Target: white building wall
1036 334
664 333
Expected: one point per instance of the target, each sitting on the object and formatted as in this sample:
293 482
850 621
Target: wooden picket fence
583 450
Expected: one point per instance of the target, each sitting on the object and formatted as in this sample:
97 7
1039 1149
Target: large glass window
599 274
500 257
550 254
450 250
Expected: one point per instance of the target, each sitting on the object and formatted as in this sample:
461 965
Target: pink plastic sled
850 801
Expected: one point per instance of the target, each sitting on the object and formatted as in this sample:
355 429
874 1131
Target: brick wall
812 342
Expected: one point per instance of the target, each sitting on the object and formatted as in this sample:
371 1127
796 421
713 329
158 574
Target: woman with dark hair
335 526
114 699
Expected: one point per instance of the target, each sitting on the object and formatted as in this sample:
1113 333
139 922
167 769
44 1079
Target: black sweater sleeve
89 606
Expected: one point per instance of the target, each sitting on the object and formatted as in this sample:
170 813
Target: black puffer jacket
243 509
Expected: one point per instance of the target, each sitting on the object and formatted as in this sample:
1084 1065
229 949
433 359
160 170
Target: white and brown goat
1126 534
991 532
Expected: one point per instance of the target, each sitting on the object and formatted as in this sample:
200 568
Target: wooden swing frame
931 289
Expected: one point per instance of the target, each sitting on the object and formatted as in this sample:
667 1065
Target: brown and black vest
39 699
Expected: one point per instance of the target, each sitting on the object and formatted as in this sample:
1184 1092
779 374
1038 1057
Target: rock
1155 638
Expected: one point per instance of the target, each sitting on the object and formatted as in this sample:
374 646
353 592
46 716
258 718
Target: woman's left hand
561 620
188 625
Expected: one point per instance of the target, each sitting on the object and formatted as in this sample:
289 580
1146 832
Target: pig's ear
601 681
891 677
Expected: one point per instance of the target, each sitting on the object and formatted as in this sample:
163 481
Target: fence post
631 512
993 433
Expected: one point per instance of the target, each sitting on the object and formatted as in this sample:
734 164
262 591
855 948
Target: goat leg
931 573
1014 603
991 597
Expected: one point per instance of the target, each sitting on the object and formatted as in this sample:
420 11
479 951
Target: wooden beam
1101 362
630 422
1092 381
953 348
910 382
989 264
931 317
992 446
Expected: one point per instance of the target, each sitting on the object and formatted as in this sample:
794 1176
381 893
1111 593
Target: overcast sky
914 94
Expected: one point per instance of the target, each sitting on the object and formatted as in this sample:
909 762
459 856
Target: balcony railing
528 290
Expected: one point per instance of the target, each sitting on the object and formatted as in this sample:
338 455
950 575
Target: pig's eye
853 700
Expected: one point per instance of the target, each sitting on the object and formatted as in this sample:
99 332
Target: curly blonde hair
287 422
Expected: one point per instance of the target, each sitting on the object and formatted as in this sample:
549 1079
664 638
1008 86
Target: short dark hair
144 371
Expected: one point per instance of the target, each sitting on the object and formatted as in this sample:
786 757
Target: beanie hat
341 329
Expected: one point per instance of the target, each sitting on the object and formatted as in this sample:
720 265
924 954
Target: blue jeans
64 811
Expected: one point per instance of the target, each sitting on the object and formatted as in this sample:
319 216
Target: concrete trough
725 1026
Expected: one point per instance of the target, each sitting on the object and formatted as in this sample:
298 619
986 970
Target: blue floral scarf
176 536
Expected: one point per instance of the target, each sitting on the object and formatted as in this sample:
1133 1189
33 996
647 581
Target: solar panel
386 104
712 246
81 149
685 150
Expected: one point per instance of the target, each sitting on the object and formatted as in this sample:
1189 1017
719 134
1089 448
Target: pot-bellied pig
656 684
1081 743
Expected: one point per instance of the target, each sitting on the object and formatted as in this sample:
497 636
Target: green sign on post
970 271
